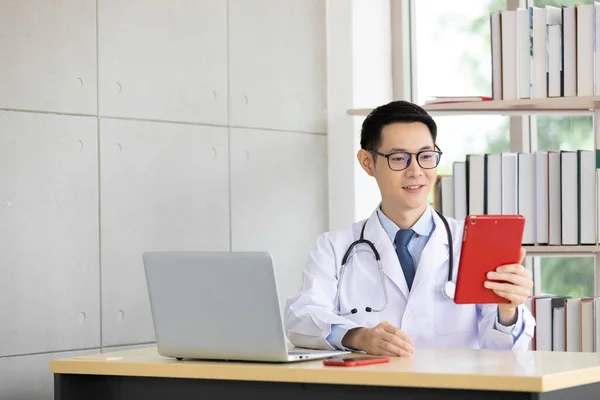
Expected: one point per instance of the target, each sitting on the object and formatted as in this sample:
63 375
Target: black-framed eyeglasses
400 160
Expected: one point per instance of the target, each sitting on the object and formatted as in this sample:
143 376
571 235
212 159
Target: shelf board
583 105
562 250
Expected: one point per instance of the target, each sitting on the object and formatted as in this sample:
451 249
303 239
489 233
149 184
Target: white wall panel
49 233
278 64
163 187
29 377
279 198
48 55
163 60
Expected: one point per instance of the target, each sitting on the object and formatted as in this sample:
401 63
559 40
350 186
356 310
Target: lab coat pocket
451 318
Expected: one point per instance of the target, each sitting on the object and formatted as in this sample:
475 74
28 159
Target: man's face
407 188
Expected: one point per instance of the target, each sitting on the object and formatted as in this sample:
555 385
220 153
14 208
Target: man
399 307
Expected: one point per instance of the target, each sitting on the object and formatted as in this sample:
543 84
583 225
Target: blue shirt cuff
337 334
514 329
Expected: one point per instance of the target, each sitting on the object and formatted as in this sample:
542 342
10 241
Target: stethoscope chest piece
449 289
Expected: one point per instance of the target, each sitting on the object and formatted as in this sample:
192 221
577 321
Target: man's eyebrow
422 148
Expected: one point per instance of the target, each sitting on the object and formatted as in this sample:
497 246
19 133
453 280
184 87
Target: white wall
128 126
359 68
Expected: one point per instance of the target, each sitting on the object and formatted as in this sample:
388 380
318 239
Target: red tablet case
489 241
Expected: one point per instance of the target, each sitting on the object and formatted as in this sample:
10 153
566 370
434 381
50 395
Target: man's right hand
382 340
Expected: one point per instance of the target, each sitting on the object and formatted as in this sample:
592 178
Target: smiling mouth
412 187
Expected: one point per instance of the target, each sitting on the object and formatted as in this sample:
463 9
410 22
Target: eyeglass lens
426 159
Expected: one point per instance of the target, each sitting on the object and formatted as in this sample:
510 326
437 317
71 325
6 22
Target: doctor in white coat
398 149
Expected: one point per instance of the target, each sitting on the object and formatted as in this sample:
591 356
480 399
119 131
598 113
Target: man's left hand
515 285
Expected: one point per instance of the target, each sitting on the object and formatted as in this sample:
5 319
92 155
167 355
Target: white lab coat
428 317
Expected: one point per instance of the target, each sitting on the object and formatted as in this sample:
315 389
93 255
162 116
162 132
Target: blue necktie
406 262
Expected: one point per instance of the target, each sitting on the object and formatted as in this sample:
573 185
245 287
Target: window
453 59
567 276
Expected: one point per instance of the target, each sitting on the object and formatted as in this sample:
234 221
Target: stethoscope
447 290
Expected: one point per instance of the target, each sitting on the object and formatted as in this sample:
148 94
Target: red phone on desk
489 241
355 361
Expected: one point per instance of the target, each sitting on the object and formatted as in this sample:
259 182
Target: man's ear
365 158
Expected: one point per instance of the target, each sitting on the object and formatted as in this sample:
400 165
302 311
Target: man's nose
414 169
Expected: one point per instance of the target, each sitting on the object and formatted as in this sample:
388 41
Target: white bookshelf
562 250
577 105
555 105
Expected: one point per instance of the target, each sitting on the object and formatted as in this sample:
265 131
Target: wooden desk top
434 368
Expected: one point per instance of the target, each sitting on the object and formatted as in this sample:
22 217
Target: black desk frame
109 387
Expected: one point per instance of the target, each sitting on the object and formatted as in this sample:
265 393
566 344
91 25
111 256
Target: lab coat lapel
389 259
434 254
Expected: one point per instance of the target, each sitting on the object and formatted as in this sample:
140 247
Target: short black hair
397 111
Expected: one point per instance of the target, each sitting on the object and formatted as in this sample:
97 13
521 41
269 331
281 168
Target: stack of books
556 192
540 52
565 323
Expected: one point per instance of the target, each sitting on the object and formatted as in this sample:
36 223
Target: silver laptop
219 306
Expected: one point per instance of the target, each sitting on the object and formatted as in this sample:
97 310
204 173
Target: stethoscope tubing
448 289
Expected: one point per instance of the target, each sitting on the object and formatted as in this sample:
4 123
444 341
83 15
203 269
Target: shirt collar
423 226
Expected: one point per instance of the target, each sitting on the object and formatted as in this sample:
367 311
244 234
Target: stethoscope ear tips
368 309
354 311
